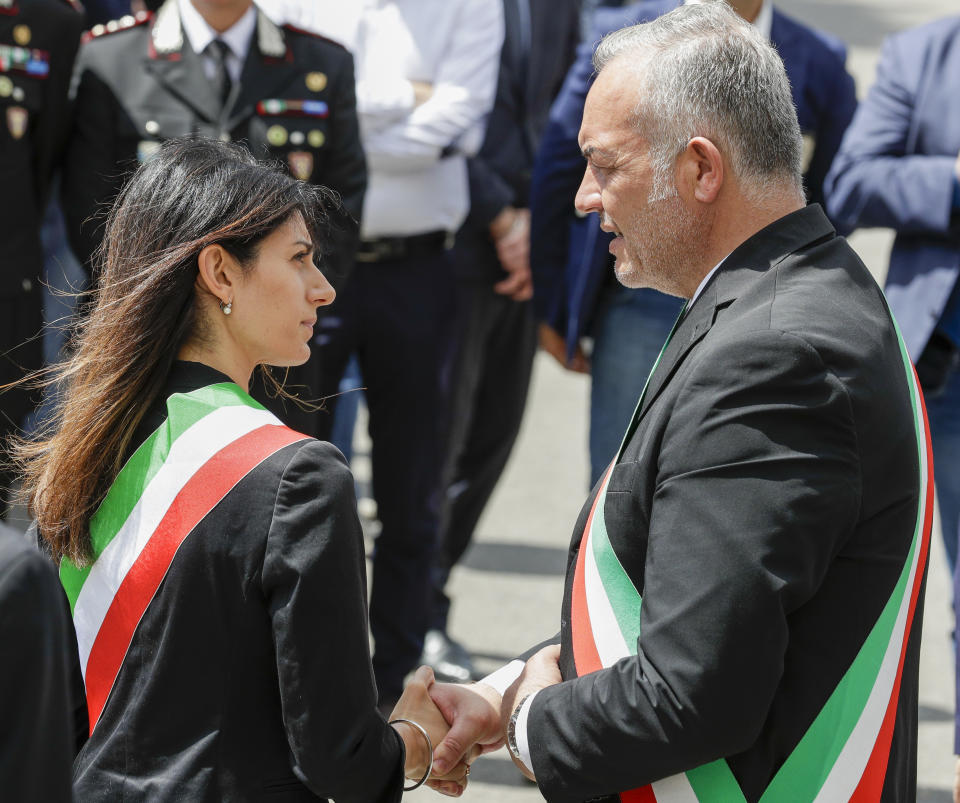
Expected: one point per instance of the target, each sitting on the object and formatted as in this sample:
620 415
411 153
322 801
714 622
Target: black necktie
218 50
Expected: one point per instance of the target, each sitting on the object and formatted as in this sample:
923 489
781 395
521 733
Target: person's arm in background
833 118
92 173
346 169
462 94
53 119
874 181
557 172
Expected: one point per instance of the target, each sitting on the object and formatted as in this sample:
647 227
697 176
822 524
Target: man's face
654 234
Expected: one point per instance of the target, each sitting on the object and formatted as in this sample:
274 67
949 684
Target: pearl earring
227 308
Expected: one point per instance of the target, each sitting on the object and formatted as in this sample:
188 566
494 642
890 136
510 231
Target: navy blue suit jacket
569 256
529 79
896 169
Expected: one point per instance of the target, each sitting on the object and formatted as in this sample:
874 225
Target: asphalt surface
507 593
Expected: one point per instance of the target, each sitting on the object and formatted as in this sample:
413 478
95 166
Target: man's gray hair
704 71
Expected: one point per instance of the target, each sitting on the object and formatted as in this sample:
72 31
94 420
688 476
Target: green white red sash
844 754
212 438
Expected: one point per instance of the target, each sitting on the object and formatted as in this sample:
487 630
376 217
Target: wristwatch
512 732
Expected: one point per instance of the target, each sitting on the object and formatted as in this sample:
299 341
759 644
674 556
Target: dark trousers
395 315
495 341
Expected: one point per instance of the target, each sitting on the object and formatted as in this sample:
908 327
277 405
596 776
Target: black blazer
763 508
34 122
249 676
36 740
529 78
141 84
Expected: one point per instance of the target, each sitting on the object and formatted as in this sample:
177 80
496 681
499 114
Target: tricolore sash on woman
211 439
844 753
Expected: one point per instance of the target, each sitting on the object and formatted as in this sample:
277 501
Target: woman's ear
217 273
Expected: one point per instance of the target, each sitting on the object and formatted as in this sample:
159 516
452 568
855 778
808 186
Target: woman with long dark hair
212 557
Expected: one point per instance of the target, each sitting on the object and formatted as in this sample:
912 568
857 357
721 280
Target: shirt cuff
503 678
520 733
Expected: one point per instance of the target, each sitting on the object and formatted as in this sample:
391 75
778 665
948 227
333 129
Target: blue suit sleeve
557 172
875 180
833 120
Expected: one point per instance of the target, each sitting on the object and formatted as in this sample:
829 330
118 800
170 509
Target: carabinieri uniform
38 44
139 82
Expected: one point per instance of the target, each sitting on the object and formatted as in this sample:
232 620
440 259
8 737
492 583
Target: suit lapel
696 322
173 63
763 251
268 71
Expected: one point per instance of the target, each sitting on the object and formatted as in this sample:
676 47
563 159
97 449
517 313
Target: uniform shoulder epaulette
115 26
313 35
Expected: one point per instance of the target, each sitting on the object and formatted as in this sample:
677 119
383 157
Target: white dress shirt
238 38
453 45
335 19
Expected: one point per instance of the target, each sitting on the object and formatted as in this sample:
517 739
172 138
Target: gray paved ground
508 591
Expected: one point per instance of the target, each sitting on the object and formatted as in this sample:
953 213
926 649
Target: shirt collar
764 20
200 34
703 283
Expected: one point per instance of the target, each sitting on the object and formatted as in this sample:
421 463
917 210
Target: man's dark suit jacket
529 79
763 508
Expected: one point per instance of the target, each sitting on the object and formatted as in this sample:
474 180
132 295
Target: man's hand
542 670
422 92
510 231
552 342
473 713
415 705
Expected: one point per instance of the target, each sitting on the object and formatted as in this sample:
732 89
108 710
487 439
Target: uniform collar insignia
167 29
270 37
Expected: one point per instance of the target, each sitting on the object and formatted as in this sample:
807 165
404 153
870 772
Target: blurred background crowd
448 129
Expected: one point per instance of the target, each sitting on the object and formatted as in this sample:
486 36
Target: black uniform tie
219 50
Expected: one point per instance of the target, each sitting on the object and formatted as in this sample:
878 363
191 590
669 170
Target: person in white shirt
426 79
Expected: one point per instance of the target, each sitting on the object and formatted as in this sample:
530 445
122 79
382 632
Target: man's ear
217 273
700 171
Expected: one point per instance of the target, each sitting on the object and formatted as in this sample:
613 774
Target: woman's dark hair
193 193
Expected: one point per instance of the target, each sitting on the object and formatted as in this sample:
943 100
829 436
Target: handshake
465 721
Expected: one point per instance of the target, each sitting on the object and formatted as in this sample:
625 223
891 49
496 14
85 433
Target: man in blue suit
575 292
898 168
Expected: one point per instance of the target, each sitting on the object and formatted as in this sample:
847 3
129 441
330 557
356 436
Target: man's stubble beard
672 241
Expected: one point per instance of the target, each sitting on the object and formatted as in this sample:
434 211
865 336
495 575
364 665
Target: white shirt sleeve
503 678
463 93
523 743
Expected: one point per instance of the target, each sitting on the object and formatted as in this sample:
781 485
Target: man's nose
588 195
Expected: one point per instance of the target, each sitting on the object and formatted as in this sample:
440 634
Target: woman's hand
415 705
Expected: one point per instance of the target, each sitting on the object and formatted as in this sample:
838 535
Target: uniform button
152 127
27 285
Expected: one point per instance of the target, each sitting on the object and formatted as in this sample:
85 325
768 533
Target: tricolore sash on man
844 753
211 439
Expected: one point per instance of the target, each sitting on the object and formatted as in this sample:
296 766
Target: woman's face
275 304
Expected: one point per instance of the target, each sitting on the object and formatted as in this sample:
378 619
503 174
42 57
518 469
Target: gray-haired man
771 500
